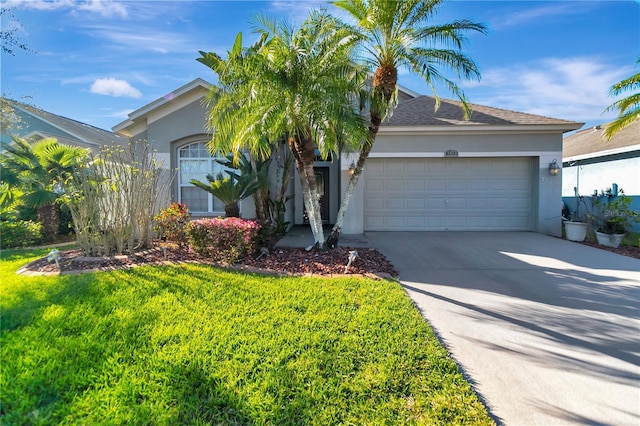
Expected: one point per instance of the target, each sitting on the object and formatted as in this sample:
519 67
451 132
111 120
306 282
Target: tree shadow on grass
203 399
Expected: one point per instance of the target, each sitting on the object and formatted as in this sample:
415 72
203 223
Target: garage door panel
457 184
376 203
436 185
375 185
416 168
435 203
394 204
375 168
520 184
416 185
374 222
416 204
396 167
448 194
415 221
395 185
478 203
479 184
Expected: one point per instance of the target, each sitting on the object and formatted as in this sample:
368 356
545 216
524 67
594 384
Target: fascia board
122 127
169 97
175 104
597 154
477 129
408 91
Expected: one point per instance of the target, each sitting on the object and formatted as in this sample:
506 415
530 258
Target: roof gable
164 106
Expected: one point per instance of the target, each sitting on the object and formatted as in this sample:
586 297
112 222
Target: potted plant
575 229
613 219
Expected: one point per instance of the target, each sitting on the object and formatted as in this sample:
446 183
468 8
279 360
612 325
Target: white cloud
141 38
41 4
105 8
541 13
527 15
298 11
122 114
114 87
568 88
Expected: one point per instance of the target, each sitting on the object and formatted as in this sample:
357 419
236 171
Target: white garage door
434 194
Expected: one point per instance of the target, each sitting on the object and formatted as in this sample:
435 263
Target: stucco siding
185 122
468 143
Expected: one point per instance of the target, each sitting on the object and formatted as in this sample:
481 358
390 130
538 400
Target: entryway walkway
300 236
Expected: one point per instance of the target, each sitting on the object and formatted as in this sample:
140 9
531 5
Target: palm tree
628 108
229 189
393 34
295 83
39 173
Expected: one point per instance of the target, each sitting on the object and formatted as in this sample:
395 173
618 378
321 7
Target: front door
322 186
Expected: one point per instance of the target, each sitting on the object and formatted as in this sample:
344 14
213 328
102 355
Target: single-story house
427 171
32 123
592 164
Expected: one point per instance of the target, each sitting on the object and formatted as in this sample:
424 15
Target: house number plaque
451 153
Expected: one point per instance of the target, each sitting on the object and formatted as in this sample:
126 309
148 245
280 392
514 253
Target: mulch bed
285 261
630 251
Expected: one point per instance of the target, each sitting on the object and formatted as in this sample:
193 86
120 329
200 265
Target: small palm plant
229 189
37 174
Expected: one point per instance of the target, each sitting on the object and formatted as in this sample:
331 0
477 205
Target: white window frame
213 168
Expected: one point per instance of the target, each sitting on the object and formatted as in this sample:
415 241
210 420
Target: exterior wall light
352 168
554 168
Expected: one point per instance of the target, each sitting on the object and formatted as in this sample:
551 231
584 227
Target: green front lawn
198 345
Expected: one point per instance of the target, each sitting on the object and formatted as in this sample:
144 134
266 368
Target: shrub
20 233
170 223
225 239
112 199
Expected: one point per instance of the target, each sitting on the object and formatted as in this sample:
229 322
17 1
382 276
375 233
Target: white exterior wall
600 176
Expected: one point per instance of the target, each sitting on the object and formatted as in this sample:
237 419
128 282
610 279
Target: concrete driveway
547 331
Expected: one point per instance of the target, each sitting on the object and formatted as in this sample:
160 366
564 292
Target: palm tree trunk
258 197
232 210
304 153
353 181
384 85
48 216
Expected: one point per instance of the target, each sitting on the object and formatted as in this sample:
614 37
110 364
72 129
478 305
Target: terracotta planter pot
575 231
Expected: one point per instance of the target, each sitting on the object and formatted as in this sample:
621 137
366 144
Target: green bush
170 223
223 239
20 233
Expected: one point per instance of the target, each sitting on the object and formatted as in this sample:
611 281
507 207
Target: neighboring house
592 164
427 171
32 123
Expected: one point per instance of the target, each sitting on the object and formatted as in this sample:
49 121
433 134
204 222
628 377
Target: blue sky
97 60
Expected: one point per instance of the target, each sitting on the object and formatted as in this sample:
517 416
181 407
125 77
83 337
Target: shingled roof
40 123
590 142
420 111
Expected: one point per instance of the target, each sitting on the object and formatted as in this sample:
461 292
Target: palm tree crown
394 34
292 83
628 108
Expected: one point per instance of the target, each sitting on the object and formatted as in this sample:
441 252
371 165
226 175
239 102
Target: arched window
195 162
